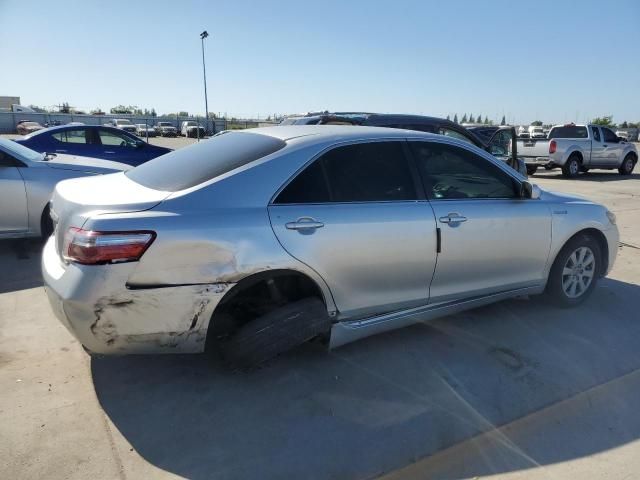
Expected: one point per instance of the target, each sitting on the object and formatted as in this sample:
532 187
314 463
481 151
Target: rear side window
365 172
71 136
596 133
188 167
568 131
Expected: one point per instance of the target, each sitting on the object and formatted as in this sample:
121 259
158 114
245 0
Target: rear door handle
107 151
605 145
453 218
304 223
61 151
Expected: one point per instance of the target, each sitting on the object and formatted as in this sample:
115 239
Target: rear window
190 166
570 131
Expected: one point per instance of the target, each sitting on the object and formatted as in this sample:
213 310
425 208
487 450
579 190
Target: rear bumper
95 305
537 161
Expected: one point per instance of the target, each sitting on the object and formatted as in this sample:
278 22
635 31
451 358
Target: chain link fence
9 120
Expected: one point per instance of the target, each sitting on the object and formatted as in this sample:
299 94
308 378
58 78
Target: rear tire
276 332
572 167
532 169
46 224
584 169
575 271
627 165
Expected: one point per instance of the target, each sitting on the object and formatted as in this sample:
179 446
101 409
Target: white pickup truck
578 148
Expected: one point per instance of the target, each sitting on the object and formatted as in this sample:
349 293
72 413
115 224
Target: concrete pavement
518 389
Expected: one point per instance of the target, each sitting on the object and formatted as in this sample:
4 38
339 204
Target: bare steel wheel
578 272
575 271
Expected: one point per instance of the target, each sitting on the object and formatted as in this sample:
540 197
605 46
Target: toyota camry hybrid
254 242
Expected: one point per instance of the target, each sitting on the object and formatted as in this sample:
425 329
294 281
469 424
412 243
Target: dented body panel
108 318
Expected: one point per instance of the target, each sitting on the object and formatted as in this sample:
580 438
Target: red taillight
552 146
93 248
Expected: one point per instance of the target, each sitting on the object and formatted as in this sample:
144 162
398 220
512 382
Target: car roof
322 133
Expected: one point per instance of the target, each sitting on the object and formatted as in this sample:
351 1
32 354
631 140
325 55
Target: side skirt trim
350 331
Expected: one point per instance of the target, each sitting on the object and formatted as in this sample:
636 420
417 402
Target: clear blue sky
549 60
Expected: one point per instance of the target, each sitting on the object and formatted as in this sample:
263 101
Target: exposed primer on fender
165 318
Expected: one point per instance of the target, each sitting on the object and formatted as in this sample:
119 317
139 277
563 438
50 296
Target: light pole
204 35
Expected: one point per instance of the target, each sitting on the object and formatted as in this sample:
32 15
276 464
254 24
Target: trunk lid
75 200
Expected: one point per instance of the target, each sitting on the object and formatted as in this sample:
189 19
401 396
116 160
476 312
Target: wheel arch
602 243
290 284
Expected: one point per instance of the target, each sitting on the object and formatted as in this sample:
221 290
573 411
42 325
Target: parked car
166 129
255 242
501 143
122 124
192 129
25 127
27 179
579 148
623 135
143 130
536 132
94 141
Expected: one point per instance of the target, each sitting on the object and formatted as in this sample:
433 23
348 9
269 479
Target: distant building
6 102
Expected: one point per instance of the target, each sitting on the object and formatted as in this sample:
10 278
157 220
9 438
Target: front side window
609 136
116 139
596 133
365 172
71 136
451 172
452 133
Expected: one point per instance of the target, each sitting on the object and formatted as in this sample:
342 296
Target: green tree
503 121
448 118
536 123
464 119
486 120
471 119
65 108
624 124
606 121
96 111
455 118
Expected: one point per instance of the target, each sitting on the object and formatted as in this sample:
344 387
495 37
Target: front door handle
304 223
605 146
60 151
108 151
453 218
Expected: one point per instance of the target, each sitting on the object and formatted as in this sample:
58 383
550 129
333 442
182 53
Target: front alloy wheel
578 272
575 271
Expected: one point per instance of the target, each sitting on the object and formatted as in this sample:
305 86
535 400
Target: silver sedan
254 242
27 179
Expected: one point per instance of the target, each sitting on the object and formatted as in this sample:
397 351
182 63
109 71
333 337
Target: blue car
93 141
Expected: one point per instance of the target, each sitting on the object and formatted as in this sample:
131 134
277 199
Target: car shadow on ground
383 403
593 176
20 260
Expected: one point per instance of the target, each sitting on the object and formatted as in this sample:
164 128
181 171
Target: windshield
201 162
20 151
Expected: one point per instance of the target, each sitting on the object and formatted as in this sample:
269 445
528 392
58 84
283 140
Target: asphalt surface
518 389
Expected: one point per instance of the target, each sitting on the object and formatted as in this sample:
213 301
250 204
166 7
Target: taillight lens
552 146
93 248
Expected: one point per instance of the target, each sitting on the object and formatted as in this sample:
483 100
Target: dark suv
500 141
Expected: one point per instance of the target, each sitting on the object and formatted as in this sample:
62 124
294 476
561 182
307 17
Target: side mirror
530 190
